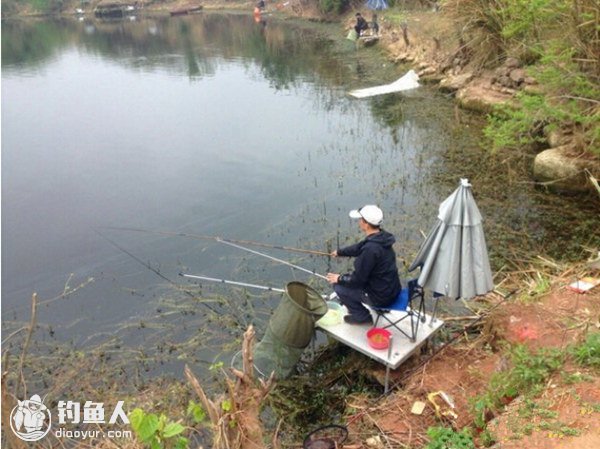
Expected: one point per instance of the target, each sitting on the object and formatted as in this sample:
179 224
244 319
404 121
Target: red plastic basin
378 338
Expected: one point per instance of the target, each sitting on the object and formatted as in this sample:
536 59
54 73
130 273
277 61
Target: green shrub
529 372
447 438
559 38
588 353
570 100
333 6
513 126
157 432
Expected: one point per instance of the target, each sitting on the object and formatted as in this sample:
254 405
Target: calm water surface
211 125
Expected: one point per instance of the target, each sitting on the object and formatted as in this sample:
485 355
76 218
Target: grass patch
558 40
447 438
529 372
587 354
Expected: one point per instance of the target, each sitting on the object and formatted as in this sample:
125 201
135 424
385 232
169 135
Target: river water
215 125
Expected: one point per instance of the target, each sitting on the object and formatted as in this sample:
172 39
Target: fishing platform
400 348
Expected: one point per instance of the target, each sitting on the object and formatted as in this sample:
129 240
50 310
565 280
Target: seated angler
374 280
361 24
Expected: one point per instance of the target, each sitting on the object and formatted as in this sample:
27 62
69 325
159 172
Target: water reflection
103 127
285 53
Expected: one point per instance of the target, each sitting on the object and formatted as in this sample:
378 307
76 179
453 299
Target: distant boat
186 10
113 10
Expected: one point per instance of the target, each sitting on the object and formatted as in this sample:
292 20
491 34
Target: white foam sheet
355 336
407 82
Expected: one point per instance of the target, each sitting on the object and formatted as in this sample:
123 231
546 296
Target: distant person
257 10
361 24
374 24
375 278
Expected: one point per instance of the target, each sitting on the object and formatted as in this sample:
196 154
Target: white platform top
355 336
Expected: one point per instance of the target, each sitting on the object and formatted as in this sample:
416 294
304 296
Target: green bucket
293 321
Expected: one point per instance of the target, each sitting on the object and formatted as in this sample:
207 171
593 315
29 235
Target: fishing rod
285 262
154 270
228 282
216 238
331 296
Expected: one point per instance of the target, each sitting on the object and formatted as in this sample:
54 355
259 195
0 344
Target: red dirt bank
463 371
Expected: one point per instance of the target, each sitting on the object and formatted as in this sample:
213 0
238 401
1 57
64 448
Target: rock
507 90
556 138
426 71
401 57
502 71
505 81
374 442
561 171
446 66
481 98
369 41
518 75
454 83
512 63
433 78
593 263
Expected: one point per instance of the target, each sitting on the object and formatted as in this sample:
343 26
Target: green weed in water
196 411
157 432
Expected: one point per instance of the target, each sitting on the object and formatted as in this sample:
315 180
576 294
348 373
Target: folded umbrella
453 258
377 5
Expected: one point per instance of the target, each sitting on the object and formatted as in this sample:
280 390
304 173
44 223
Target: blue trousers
353 299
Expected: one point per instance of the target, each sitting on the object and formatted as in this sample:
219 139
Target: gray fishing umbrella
453 258
377 5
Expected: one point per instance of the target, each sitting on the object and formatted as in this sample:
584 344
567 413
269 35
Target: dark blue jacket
375 269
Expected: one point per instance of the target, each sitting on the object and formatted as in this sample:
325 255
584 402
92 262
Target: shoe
350 319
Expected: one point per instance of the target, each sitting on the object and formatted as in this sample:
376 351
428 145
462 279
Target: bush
529 372
333 6
588 353
446 438
562 39
570 102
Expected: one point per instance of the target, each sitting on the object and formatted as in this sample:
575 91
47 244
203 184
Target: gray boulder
561 171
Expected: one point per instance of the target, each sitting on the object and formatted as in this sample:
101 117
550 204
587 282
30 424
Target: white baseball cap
370 213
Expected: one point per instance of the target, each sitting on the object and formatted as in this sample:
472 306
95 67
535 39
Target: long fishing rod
331 296
154 270
228 282
285 262
215 238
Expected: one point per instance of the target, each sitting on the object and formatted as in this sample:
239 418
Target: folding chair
404 303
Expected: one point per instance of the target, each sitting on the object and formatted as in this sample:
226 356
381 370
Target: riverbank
522 369
511 90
